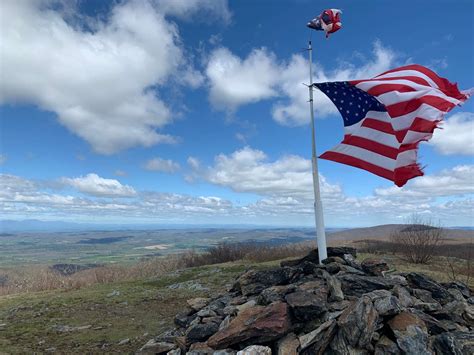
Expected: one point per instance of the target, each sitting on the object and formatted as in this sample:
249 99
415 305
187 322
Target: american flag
386 117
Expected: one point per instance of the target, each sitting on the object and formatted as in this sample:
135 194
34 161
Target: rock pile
341 307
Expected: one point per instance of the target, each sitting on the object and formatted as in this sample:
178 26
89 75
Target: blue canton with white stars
353 103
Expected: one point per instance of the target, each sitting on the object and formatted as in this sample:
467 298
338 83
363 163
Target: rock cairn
341 307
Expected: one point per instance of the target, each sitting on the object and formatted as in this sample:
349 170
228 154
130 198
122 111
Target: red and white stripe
386 143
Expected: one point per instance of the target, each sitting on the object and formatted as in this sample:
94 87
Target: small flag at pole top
329 21
386 117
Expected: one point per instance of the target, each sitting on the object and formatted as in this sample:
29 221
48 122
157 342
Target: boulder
424 282
340 346
200 332
313 256
462 287
433 325
156 347
357 323
198 303
385 346
254 282
335 291
257 324
374 267
288 345
384 302
410 332
306 306
317 341
403 296
256 350
274 293
454 343
184 318
357 285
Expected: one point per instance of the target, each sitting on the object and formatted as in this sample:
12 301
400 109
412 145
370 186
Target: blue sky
195 112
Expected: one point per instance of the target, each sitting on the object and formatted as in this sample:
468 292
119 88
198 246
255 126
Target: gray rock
385 346
423 295
225 323
206 312
357 285
318 339
256 350
466 292
246 305
433 325
454 343
288 345
124 341
457 294
313 256
335 291
184 318
403 296
305 305
426 283
411 333
174 352
274 293
156 347
192 285
340 346
427 307
384 302
225 352
334 259
200 332
357 323
254 282
198 303
374 267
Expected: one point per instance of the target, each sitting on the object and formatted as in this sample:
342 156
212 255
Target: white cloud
235 81
449 182
283 202
102 83
94 185
206 9
457 135
194 163
248 170
162 165
3 159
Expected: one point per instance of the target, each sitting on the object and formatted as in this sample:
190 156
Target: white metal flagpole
318 205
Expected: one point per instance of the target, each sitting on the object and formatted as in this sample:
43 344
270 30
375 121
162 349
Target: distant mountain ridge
384 231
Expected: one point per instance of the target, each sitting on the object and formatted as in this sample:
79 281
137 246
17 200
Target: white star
350 103
347 111
342 101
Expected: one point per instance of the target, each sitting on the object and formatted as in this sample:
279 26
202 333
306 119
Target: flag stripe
374 146
358 163
404 107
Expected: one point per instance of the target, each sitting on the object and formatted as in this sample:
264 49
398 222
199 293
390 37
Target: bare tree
419 240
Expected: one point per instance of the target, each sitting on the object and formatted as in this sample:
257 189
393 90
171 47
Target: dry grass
42 278
453 262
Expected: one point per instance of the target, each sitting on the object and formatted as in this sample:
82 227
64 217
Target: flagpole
318 205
